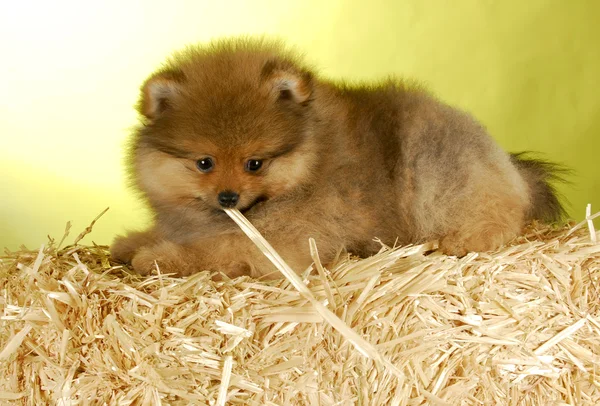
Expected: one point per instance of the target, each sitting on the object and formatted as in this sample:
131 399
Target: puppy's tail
541 176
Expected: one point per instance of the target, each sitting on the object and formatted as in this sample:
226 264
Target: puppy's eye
205 164
253 165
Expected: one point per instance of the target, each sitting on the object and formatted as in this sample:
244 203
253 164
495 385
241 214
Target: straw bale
408 326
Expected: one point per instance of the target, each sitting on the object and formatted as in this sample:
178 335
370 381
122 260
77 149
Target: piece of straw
225 378
359 343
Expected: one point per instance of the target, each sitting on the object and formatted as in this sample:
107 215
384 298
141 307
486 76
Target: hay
520 326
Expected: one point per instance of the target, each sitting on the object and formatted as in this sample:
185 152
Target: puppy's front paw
144 262
166 256
123 249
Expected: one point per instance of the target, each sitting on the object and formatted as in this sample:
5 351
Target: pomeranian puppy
244 124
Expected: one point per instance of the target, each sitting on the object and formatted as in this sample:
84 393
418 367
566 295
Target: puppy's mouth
259 199
245 209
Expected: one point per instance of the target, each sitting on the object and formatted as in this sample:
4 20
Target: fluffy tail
541 176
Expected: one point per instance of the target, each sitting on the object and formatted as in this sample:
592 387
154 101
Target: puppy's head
225 126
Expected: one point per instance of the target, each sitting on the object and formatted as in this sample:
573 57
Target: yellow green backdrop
70 71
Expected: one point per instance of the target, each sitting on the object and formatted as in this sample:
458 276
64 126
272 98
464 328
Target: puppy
244 124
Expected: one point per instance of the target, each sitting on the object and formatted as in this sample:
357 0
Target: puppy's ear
286 82
159 93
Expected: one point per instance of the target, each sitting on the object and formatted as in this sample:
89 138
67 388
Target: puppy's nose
228 198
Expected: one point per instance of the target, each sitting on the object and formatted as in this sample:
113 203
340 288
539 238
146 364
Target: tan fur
344 165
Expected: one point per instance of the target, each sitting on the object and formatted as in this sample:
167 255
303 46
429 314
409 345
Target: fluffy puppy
243 123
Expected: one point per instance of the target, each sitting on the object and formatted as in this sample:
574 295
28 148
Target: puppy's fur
342 164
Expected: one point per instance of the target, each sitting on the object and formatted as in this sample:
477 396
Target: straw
518 326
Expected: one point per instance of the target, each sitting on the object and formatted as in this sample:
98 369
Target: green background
70 72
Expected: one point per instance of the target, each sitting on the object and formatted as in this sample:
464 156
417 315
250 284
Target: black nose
228 198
